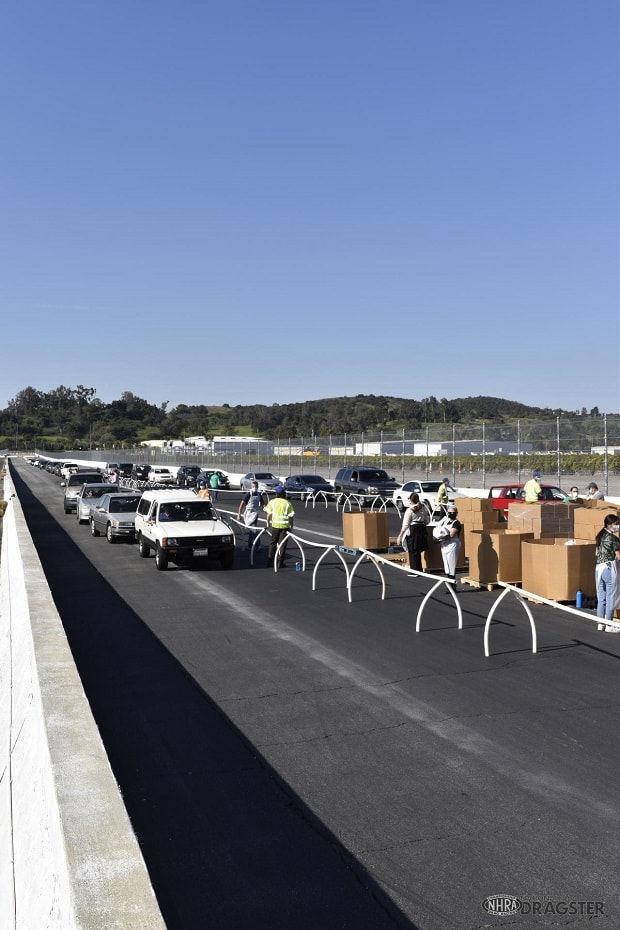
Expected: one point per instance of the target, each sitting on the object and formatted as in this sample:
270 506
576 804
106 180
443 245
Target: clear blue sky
268 201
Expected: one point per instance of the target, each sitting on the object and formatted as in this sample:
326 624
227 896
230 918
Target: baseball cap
536 474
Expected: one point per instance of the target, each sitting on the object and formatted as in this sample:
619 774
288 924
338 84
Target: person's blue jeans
605 590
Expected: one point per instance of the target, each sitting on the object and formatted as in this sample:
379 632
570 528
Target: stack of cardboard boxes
549 520
494 552
589 520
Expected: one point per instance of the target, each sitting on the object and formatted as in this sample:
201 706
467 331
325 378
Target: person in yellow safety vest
280 515
532 489
443 497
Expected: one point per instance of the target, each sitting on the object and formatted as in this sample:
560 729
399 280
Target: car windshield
265 476
431 487
123 504
312 479
95 492
186 511
83 479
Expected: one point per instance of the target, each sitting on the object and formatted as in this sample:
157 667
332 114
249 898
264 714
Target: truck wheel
143 549
161 559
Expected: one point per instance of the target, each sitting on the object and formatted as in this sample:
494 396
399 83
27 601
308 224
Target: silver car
114 515
88 497
266 481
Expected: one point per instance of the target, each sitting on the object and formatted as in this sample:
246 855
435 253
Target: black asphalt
292 760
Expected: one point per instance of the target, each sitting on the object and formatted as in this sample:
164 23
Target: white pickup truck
178 526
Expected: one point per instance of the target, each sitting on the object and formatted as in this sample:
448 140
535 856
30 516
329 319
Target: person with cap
280 514
203 490
443 498
450 540
532 490
593 492
249 508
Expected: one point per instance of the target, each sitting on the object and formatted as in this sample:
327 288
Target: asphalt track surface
291 760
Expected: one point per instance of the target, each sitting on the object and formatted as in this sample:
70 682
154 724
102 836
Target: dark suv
140 472
367 482
187 476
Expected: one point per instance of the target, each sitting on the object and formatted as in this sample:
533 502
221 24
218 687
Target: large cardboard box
365 530
466 504
480 519
495 555
550 519
432 560
555 570
589 520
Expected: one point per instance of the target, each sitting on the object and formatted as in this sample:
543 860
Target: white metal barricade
521 596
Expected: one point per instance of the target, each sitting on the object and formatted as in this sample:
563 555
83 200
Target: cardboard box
477 504
495 555
480 519
365 530
555 570
545 520
589 520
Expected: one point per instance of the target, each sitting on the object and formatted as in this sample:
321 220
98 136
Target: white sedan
427 492
159 475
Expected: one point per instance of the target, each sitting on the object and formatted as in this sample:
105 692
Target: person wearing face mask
573 496
450 541
606 570
250 506
413 531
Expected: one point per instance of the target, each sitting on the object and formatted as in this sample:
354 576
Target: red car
506 494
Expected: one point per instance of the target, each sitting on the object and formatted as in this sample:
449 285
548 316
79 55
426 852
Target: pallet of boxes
492 547
589 520
558 559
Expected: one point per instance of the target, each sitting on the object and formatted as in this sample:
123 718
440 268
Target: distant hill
74 417
370 413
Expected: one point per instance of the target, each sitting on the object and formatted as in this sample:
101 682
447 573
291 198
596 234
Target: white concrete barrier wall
68 855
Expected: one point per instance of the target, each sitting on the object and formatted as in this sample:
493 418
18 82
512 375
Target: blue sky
270 202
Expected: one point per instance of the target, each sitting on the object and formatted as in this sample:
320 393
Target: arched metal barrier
521 596
377 503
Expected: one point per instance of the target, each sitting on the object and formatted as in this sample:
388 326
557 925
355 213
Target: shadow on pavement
226 841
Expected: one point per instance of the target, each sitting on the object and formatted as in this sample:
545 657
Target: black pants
417 543
276 536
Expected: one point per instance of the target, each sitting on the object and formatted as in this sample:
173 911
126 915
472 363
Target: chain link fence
565 450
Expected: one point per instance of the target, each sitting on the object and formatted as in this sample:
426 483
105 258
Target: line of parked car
177 525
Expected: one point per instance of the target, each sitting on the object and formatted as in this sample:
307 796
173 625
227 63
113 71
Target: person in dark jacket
413 533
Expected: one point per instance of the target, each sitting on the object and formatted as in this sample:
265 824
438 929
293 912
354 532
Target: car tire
227 561
67 509
143 549
109 535
161 559
93 529
400 505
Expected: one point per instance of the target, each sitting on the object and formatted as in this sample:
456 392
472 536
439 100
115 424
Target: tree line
74 417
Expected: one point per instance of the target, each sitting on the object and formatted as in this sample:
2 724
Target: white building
434 449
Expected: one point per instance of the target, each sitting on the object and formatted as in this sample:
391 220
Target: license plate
199 552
